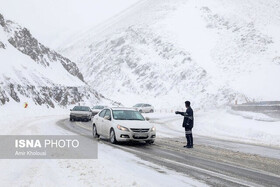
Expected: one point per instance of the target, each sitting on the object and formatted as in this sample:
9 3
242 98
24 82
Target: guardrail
257 107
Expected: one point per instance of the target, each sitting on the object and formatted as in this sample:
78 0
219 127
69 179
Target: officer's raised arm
185 114
181 113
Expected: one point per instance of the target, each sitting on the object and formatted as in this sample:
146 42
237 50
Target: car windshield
98 107
127 115
81 108
137 105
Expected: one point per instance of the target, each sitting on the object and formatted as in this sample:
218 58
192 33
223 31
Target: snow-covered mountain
166 51
32 72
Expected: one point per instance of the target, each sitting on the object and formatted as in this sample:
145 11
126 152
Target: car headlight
122 128
153 129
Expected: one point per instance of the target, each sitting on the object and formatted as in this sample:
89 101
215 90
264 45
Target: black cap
188 103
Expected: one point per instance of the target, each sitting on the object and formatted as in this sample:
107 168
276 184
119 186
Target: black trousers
189 137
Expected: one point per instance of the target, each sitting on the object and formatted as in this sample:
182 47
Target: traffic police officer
188 123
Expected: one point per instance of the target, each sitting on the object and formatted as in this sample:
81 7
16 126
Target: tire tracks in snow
208 164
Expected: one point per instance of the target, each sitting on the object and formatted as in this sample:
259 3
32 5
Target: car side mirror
70 109
107 117
148 119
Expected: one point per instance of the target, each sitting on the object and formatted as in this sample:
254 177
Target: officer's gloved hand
177 112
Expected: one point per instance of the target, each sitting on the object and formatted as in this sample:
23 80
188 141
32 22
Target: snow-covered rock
32 71
167 51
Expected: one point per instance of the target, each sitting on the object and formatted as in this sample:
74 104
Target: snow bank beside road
221 124
224 125
15 119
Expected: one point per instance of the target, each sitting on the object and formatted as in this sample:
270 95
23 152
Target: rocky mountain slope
166 51
32 72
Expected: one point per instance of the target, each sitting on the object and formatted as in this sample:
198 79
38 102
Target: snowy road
216 162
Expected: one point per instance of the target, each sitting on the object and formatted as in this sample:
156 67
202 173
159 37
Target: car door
141 108
99 122
145 109
107 123
149 108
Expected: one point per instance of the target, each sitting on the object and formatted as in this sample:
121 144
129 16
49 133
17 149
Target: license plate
140 135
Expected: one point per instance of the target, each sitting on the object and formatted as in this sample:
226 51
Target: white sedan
122 124
142 107
96 109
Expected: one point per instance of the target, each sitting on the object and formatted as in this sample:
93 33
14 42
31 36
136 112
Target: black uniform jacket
188 118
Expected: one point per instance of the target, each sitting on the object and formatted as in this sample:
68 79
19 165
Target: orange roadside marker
25 105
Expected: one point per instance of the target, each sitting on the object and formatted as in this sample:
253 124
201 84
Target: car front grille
139 130
140 138
80 115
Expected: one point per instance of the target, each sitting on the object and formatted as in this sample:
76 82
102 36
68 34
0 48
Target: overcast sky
54 21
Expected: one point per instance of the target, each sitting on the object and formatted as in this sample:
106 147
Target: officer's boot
188 141
191 141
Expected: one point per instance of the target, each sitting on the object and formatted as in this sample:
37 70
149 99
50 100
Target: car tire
151 111
94 132
113 136
150 141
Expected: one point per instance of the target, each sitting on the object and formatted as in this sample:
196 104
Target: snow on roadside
113 166
15 119
254 116
118 168
222 124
